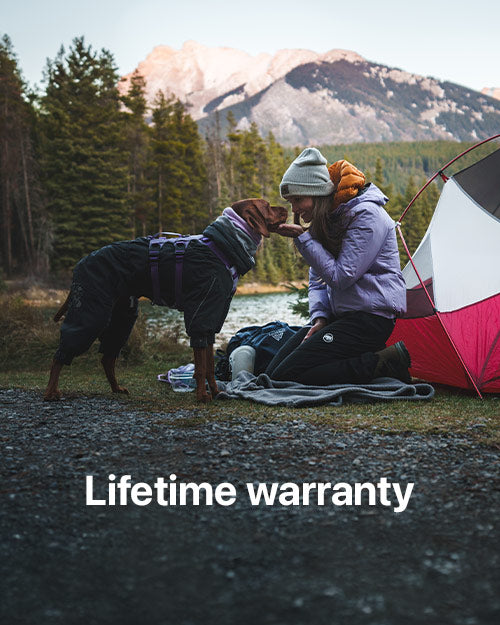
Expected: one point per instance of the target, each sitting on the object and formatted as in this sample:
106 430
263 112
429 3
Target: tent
452 324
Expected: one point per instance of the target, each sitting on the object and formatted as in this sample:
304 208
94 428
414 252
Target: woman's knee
289 369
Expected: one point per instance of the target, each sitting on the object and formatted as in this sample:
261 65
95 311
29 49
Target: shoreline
259 288
49 296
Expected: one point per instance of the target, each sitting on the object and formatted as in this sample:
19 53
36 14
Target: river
245 310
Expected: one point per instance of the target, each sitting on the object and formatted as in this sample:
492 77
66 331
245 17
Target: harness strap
222 257
156 242
180 246
180 243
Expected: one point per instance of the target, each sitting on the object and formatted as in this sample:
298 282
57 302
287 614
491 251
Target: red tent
452 323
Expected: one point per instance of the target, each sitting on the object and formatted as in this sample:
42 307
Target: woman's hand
290 230
319 324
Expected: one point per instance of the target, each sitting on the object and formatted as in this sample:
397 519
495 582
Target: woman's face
302 205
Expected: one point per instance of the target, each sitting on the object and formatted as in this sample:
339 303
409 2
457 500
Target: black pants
342 352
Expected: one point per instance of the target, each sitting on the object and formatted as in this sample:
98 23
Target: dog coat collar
180 242
240 223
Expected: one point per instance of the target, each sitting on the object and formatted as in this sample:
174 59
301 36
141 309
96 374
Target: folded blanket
263 390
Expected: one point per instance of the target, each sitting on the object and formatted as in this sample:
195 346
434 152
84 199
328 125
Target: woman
356 289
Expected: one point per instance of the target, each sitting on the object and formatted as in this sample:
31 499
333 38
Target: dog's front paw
204 397
120 389
214 390
52 395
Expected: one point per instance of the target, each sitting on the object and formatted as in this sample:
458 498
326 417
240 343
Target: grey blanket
263 390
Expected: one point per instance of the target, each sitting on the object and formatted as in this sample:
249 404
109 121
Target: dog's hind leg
52 392
200 373
116 334
210 368
204 371
109 363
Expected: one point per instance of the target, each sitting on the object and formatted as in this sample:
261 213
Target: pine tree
272 273
213 158
23 221
379 179
232 158
177 167
246 165
253 167
432 196
252 172
416 219
10 111
140 200
84 161
194 206
277 165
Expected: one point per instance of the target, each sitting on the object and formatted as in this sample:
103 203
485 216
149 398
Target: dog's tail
62 311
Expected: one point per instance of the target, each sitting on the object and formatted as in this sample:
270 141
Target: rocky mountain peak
198 74
305 97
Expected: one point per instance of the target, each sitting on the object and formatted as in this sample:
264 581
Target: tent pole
436 312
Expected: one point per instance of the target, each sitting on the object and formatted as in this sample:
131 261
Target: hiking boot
394 362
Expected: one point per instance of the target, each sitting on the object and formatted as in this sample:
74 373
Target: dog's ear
260 215
253 211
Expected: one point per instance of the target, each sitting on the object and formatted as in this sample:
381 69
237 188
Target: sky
456 41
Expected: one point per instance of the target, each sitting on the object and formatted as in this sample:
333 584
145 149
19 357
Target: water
245 310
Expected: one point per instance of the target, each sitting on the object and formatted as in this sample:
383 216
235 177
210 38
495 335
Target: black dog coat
108 282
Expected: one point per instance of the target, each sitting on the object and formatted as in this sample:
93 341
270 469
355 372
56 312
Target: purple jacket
366 276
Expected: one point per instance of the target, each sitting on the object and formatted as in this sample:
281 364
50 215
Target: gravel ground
64 562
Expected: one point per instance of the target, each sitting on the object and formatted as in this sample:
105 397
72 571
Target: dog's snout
280 213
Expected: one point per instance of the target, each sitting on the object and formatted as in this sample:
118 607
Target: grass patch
449 412
25 333
28 339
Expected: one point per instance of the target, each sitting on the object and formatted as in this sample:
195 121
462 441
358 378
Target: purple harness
180 242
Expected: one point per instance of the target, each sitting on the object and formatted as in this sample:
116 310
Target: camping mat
263 390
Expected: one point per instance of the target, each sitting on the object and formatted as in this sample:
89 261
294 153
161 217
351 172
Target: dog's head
260 215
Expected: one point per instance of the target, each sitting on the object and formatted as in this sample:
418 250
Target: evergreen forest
82 165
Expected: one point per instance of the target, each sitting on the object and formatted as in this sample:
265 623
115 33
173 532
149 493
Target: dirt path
64 562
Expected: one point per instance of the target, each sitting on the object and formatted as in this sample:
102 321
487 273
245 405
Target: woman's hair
328 225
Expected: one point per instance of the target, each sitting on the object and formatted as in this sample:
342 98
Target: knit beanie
307 175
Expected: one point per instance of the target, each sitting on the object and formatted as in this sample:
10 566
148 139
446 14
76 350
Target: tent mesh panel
481 182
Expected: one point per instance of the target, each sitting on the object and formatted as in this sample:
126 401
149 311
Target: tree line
83 164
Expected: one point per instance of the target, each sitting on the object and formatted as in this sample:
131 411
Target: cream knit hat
307 175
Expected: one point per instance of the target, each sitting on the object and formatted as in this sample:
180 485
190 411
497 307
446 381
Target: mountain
494 92
308 98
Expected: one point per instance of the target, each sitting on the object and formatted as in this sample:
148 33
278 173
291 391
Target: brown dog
197 276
